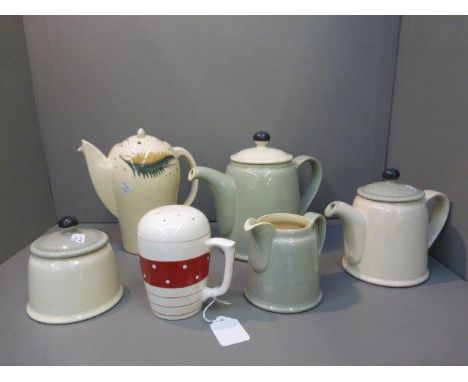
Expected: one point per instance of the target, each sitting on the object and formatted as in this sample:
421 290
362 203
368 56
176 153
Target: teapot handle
228 247
181 152
439 213
315 180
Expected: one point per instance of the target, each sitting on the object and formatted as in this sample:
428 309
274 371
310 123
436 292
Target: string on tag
211 303
228 331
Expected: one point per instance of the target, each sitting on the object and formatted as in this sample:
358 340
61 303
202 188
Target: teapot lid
389 190
261 154
140 147
173 224
69 241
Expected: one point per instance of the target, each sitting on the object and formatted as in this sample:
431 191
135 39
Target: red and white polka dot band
175 274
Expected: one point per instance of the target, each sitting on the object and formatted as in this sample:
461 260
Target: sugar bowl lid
140 144
261 154
172 224
69 241
389 190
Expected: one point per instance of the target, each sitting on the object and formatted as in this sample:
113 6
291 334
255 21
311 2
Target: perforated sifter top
173 223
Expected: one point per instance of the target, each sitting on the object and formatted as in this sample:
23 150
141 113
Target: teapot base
377 281
280 308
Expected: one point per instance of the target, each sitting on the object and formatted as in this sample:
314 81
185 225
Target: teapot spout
354 229
100 171
224 192
261 241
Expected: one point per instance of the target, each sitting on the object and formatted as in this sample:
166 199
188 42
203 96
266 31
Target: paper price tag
229 331
78 238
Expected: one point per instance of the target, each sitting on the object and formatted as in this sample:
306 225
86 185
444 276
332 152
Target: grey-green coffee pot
259 180
283 272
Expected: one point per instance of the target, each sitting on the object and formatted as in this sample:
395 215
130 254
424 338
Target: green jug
283 270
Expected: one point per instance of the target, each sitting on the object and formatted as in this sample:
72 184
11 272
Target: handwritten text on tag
78 238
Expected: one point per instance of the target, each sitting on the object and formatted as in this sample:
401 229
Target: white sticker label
78 238
228 331
126 188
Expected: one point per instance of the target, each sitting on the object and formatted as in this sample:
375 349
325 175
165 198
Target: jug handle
228 248
315 180
439 213
181 152
321 223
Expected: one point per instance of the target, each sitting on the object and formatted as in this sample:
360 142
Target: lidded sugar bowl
388 230
72 275
174 243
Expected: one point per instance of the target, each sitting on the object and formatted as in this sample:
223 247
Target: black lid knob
262 136
391 174
67 222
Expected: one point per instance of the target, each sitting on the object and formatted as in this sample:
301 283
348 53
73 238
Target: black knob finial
67 222
261 136
391 174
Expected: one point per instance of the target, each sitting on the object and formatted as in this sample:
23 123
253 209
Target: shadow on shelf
449 249
239 308
339 292
439 274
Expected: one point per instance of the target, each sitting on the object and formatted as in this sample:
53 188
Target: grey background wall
320 85
429 134
26 204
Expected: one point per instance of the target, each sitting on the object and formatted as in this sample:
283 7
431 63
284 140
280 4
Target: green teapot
259 180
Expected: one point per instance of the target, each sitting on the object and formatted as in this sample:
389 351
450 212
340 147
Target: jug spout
263 234
354 229
224 192
100 171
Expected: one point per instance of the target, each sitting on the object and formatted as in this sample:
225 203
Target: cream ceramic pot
387 231
174 244
258 181
139 174
72 275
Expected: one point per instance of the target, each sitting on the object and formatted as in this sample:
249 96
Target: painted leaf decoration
149 164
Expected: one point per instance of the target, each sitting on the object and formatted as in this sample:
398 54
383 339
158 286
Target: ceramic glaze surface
263 191
389 190
266 182
261 153
174 245
173 223
386 242
283 271
70 289
69 242
139 174
400 253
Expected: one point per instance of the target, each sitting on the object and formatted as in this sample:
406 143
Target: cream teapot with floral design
139 174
